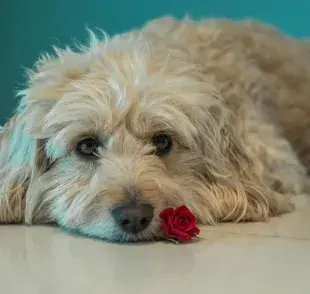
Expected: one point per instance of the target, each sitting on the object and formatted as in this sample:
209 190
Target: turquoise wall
29 27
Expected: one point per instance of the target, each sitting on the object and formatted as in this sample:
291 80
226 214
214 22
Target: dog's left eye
163 144
88 148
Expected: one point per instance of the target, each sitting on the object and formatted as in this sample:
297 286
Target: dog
212 114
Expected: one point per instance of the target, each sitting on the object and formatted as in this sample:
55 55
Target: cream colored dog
212 114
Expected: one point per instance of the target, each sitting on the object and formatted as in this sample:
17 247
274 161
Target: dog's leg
16 150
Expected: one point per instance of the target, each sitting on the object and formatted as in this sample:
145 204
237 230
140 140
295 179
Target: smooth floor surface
250 258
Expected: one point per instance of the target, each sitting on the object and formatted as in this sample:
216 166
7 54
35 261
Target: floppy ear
16 156
238 169
22 159
22 147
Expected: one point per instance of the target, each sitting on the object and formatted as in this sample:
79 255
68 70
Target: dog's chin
113 233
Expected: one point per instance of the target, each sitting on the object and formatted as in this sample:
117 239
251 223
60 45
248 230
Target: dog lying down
213 115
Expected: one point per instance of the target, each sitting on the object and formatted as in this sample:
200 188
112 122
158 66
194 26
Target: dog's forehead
135 71
102 105
114 101
147 92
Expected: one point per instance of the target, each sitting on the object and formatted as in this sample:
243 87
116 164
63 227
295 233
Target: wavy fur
233 95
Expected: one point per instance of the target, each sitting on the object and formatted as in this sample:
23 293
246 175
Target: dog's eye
88 148
163 144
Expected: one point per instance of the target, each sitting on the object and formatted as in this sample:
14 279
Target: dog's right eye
163 144
88 148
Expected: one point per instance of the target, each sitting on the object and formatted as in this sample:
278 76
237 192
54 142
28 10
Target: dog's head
124 129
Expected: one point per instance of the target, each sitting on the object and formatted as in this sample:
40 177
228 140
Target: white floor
260 258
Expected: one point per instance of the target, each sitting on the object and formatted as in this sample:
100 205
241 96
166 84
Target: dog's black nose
133 218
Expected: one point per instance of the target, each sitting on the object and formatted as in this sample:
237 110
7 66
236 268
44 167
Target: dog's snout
133 218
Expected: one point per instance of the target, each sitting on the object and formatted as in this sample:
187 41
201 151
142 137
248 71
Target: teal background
30 27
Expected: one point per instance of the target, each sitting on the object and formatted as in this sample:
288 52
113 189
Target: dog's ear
22 146
14 172
22 160
232 171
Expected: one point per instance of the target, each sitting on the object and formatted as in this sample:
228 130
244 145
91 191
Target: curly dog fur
233 96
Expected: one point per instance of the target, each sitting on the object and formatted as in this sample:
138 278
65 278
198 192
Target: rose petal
166 231
184 211
179 234
194 232
167 226
166 213
172 232
189 219
191 224
183 215
164 228
181 223
169 221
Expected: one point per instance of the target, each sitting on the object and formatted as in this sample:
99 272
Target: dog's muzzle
133 218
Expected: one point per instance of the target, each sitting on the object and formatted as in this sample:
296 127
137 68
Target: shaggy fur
235 97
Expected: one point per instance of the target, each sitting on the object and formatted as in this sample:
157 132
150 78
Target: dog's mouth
112 232
124 223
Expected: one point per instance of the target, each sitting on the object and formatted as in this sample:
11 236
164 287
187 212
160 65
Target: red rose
179 223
